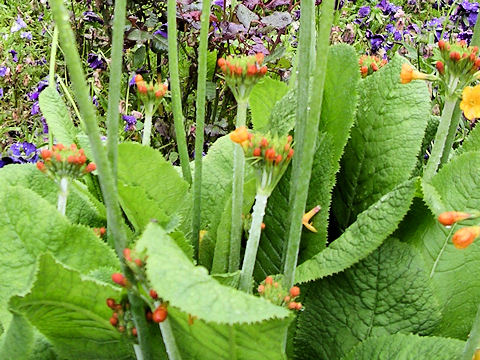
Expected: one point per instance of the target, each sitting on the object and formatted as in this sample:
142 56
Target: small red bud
270 154
127 254
289 138
264 142
440 67
450 217
298 306
455 56
290 154
292 305
119 279
160 314
269 280
110 303
138 262
263 70
134 331
121 328
374 67
286 299
41 166
251 70
113 321
257 152
278 159
295 291
441 44
221 62
153 294
90 167
262 226
261 288
46 154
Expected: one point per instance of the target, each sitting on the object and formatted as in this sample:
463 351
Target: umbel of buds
369 64
274 292
150 91
64 162
268 154
242 73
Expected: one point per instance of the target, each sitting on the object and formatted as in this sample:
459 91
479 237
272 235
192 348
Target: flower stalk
200 121
169 340
62 195
175 88
473 339
147 125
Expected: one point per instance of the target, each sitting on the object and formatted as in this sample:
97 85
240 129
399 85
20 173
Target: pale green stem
62 195
175 89
147 125
303 171
237 193
253 241
452 131
200 120
72 102
440 138
473 339
115 84
53 56
138 351
106 179
169 340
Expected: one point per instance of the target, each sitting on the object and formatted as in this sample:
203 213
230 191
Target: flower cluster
274 292
269 155
122 318
370 64
62 162
464 236
151 94
242 73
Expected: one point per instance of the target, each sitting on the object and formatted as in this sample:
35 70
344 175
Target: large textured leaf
406 347
338 108
30 225
56 114
454 273
384 144
262 100
283 114
372 227
159 187
192 290
208 341
386 293
17 343
71 312
82 207
472 142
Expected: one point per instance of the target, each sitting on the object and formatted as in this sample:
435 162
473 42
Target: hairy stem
302 172
237 193
147 125
253 241
62 195
439 145
53 57
200 120
114 84
107 182
175 88
169 340
452 131
473 339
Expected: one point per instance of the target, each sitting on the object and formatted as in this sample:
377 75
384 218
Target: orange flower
451 217
239 135
465 236
408 74
471 102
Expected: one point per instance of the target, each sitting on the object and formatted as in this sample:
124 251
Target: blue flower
95 61
14 55
1 93
90 16
45 125
18 25
26 35
3 71
23 152
95 100
364 11
35 108
130 121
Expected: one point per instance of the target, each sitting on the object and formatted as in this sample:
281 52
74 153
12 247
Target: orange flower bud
71 159
138 78
299 306
441 44
295 291
455 56
450 217
292 305
41 166
239 135
278 159
269 280
374 67
440 67
262 226
159 93
264 142
221 62
45 154
239 70
261 288
364 70
465 236
270 154
251 70
257 152
259 57
289 138
263 70
290 154
90 167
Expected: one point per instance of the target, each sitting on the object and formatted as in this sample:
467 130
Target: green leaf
386 293
56 114
144 173
338 108
71 313
192 290
17 343
366 234
282 118
209 341
452 271
472 142
384 144
262 100
30 225
406 347
82 207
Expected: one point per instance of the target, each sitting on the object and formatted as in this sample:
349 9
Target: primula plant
336 220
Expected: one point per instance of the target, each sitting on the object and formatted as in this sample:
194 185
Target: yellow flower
471 102
408 74
239 135
306 218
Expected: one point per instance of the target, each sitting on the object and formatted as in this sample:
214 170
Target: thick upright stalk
452 131
302 172
440 138
147 125
237 193
253 241
200 120
175 88
107 183
62 195
169 340
473 339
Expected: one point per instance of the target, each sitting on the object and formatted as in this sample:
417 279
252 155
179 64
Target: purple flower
23 152
26 35
1 92
465 35
3 71
90 16
390 28
161 33
388 8
413 27
95 100
95 61
45 125
35 108
130 122
364 11
132 80
19 24
14 55
218 3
